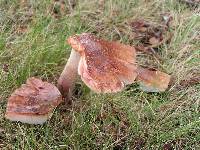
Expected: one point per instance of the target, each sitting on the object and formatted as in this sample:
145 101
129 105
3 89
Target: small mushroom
152 80
106 66
33 102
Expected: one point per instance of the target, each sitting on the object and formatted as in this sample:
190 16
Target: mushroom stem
69 74
152 80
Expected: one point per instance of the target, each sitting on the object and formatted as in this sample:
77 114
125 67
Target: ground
33 43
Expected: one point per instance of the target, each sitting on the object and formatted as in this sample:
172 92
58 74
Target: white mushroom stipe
68 76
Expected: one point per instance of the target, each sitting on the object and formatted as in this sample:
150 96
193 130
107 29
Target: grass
32 43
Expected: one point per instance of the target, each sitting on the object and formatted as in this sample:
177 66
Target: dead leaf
5 67
151 36
175 144
154 41
22 29
190 82
139 25
147 34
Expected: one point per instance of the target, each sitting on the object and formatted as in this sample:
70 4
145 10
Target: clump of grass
34 45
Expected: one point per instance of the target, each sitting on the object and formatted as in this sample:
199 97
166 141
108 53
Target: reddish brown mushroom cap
152 80
104 66
33 102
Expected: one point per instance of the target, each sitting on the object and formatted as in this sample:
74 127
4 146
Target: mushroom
152 80
107 66
33 102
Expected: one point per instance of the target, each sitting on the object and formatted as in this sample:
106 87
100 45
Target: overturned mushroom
107 67
33 102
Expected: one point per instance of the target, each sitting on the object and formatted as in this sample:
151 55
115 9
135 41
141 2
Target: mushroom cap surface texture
33 102
152 80
104 66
